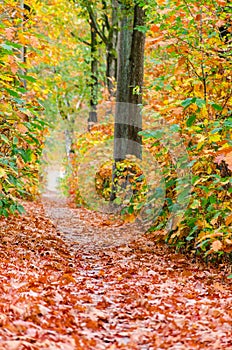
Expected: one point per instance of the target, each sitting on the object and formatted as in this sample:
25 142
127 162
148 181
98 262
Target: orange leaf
22 128
129 218
228 160
14 68
9 33
228 220
221 2
154 28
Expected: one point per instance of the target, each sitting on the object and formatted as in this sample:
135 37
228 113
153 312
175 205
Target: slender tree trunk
94 79
121 114
111 48
136 73
23 48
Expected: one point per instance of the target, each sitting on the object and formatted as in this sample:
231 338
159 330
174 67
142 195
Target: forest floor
63 288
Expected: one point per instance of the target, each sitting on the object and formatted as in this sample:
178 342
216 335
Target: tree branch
95 25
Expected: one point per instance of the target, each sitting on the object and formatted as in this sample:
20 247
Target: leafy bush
85 142
188 80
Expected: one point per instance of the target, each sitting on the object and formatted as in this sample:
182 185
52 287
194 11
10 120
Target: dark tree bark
136 73
94 78
111 48
107 33
25 8
128 118
136 61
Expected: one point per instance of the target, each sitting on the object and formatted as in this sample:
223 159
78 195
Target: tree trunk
122 93
136 72
128 118
94 78
111 48
23 48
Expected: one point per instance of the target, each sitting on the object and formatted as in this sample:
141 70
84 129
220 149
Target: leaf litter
58 291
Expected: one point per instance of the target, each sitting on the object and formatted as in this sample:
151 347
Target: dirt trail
92 230
139 295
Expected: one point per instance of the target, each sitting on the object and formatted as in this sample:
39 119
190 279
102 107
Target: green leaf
228 123
216 107
142 29
216 130
191 119
5 139
18 100
25 154
14 45
200 102
230 276
15 140
130 210
20 209
186 103
117 201
156 134
12 92
28 78
140 178
22 90
8 48
175 127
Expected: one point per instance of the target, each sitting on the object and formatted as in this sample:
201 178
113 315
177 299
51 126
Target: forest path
139 295
63 288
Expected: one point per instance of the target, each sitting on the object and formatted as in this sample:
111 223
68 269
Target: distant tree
103 19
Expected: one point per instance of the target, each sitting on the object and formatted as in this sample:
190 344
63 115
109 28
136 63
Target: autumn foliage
188 83
77 279
188 88
21 125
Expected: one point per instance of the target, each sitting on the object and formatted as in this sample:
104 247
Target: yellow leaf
215 138
200 144
5 78
201 141
22 38
33 158
2 172
216 246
